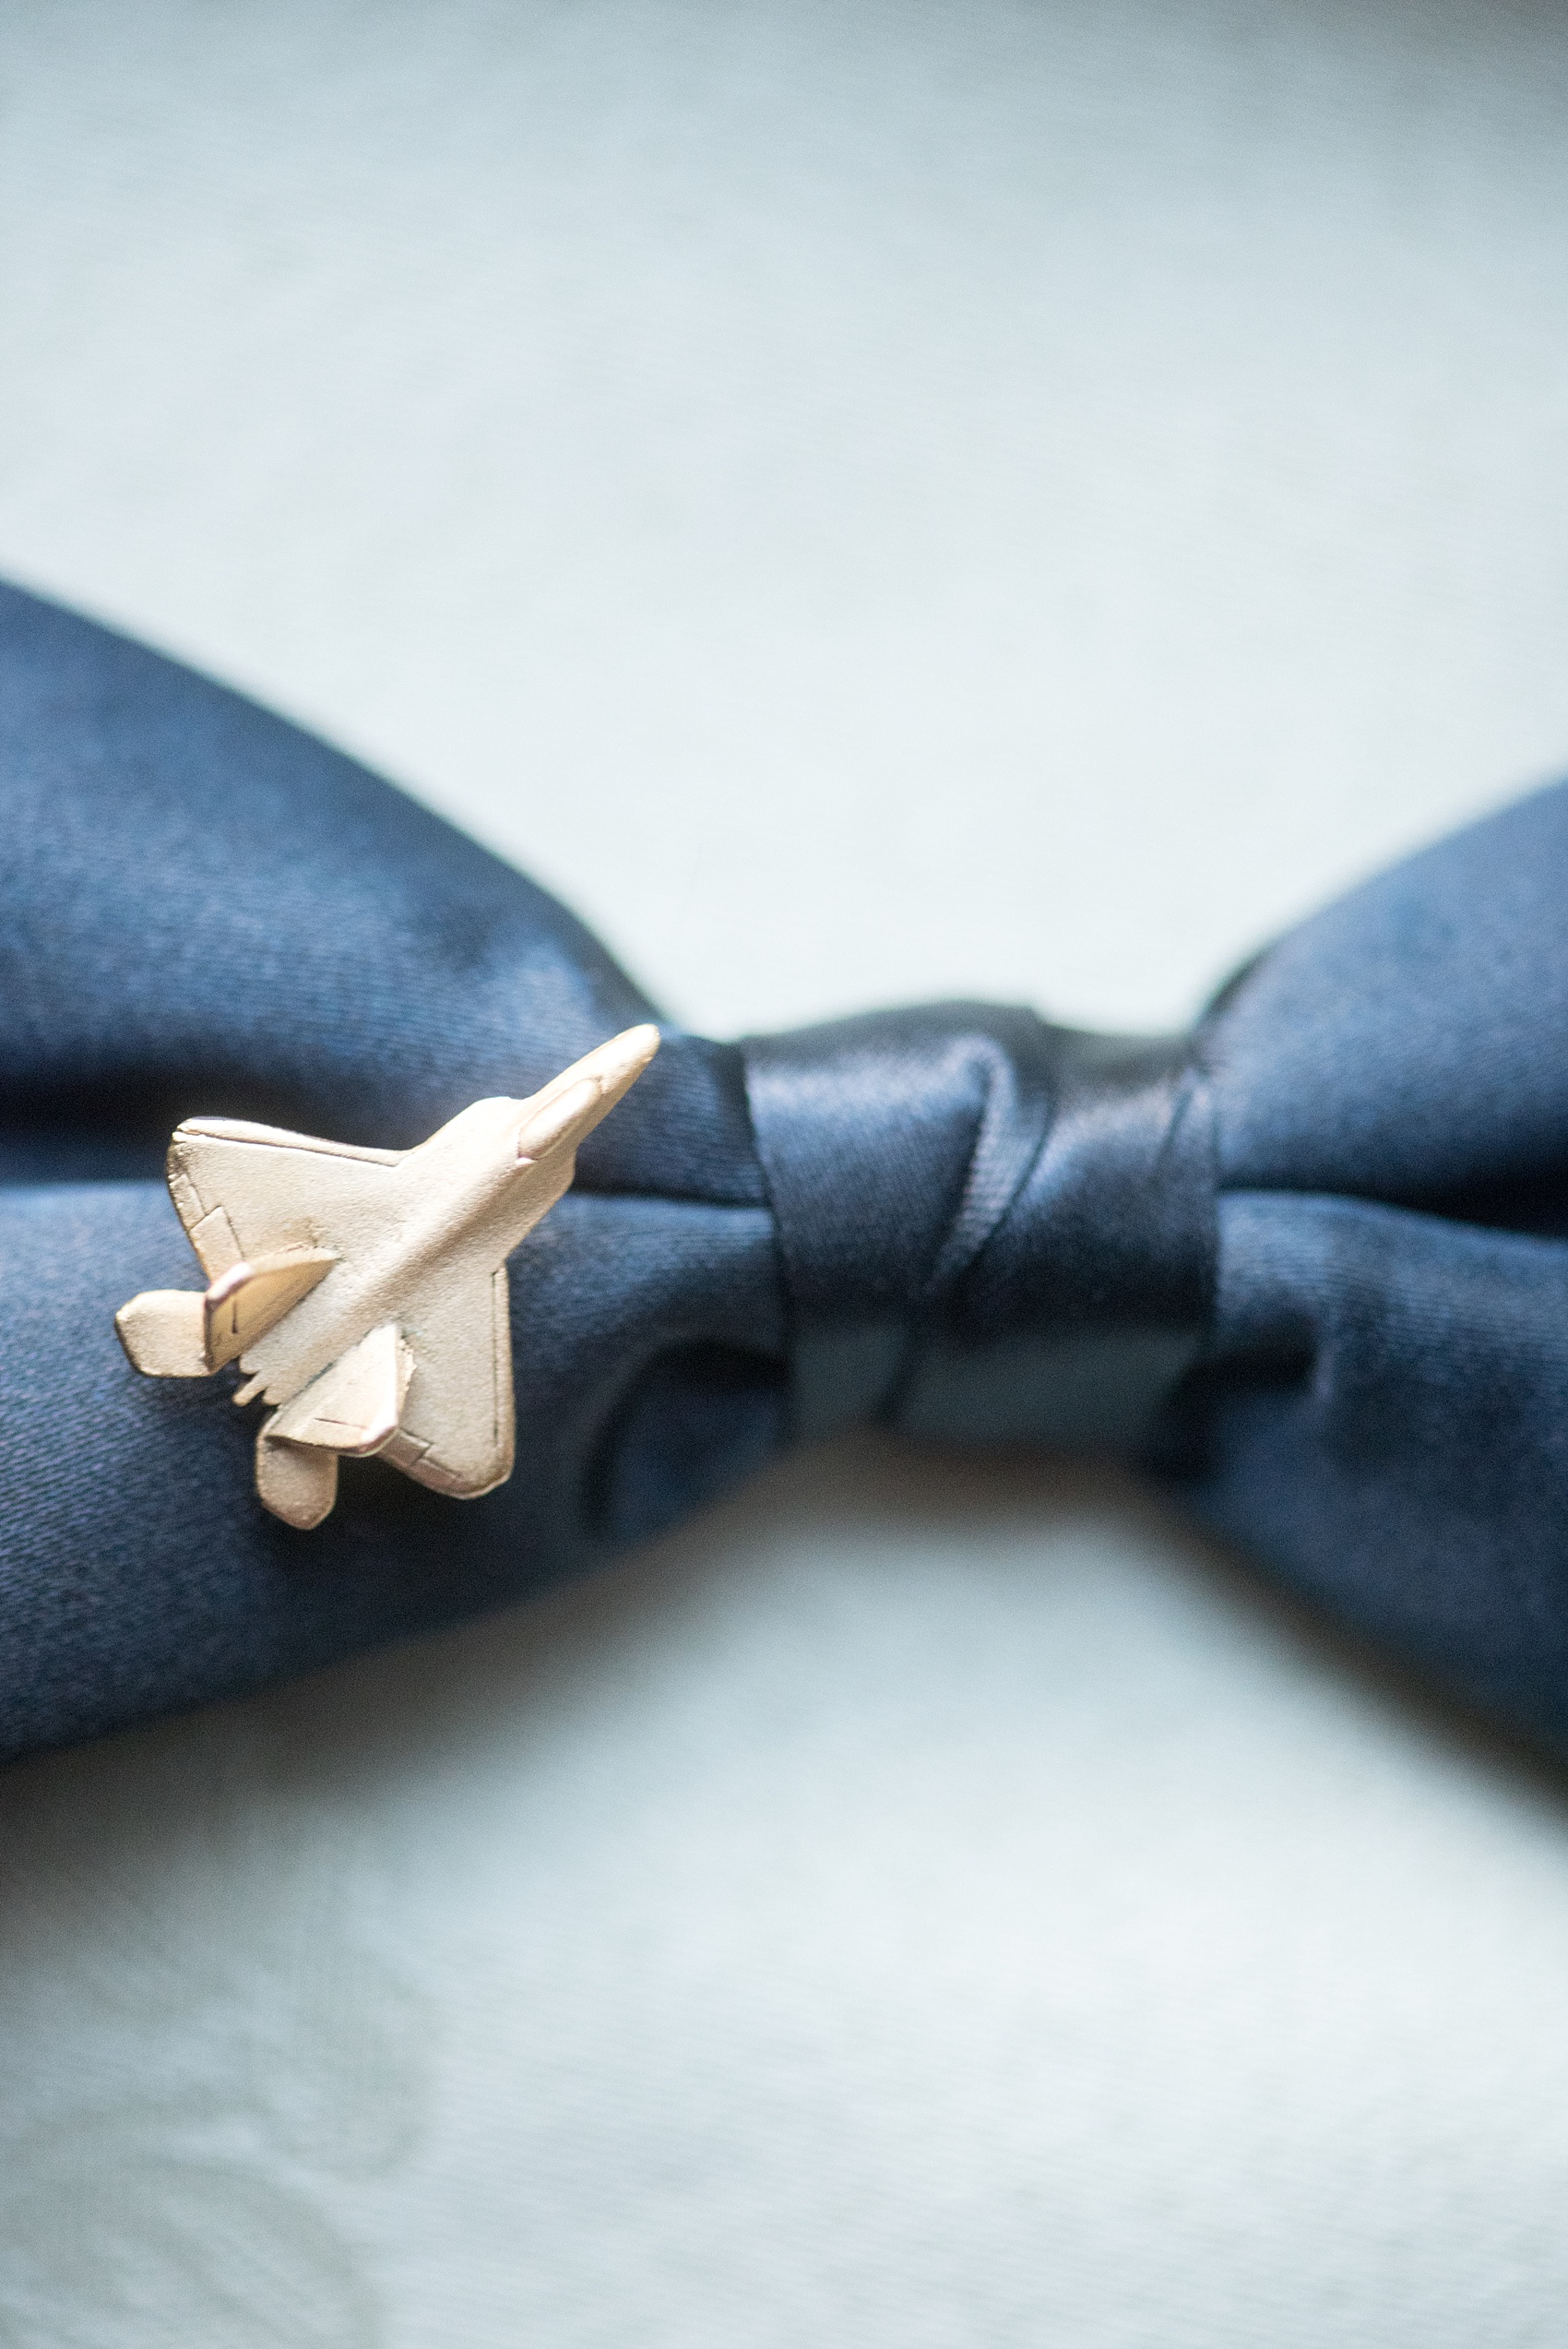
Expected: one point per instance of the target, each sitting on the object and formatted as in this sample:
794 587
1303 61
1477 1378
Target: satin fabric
1308 1262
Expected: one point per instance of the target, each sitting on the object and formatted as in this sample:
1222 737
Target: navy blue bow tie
1308 1262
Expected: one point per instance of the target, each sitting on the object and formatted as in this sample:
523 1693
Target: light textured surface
341 1275
868 501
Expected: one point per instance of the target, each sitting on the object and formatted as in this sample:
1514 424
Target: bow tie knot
990 1227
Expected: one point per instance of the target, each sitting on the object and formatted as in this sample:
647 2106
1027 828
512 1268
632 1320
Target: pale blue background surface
866 502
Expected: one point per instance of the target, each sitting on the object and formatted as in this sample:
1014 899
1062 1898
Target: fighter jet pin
365 1290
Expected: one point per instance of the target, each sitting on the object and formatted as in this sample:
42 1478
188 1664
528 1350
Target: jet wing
457 1432
245 1191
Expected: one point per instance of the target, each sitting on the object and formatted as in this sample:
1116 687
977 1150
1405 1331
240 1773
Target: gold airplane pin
364 1291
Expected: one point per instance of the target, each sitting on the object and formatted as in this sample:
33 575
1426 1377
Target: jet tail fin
352 1407
248 1300
355 1404
176 1333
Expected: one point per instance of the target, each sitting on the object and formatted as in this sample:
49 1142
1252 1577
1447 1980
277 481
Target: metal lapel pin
364 1291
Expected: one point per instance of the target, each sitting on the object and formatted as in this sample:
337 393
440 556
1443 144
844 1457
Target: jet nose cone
573 1105
621 1062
